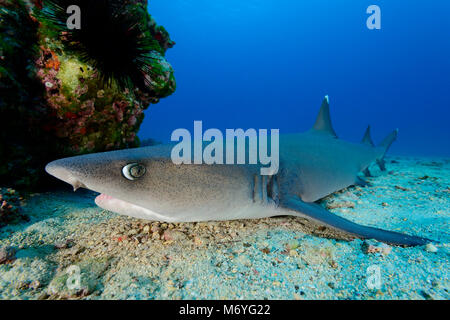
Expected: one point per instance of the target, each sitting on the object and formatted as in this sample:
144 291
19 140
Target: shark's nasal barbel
60 171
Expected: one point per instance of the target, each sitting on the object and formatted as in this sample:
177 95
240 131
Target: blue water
268 64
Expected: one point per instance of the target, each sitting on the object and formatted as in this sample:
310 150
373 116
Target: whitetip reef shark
144 182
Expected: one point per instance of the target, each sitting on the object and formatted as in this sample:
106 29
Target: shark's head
135 176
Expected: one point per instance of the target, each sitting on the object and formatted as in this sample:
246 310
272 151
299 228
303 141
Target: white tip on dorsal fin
323 122
367 139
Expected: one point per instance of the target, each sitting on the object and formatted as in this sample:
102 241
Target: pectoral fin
318 214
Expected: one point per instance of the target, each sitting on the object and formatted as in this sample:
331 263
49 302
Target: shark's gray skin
145 183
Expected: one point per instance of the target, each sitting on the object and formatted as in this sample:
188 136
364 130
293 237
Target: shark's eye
133 171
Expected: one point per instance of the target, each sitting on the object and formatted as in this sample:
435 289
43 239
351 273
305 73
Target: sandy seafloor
276 258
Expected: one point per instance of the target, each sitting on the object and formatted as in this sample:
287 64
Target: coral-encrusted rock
87 116
7 255
10 207
54 103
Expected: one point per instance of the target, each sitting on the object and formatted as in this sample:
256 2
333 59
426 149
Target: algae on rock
59 98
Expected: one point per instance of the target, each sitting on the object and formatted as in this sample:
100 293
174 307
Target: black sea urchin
114 38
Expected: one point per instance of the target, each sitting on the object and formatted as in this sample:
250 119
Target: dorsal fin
323 122
367 139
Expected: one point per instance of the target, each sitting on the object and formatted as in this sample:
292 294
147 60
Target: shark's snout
61 169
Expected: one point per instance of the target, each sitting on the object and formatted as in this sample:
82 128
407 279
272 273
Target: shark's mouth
113 204
103 198
123 207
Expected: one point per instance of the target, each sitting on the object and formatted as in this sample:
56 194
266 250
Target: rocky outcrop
11 207
65 92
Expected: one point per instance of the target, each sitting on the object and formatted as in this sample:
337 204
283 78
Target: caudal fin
385 145
387 142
